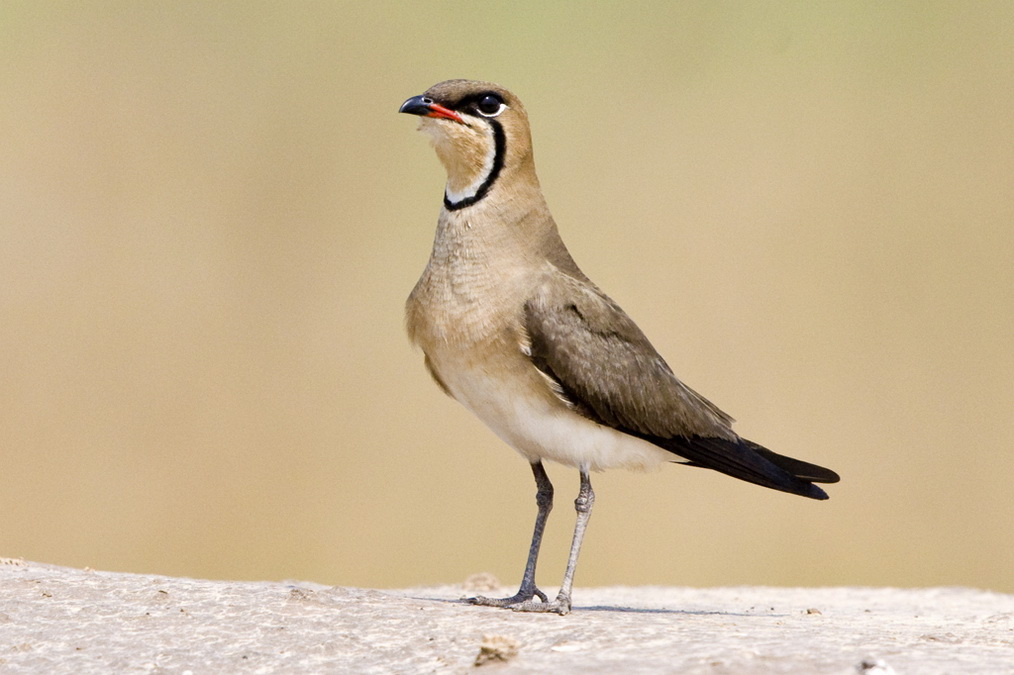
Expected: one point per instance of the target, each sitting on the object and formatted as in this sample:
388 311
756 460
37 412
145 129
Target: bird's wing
603 366
608 370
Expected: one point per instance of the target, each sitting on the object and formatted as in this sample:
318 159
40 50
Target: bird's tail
751 462
796 467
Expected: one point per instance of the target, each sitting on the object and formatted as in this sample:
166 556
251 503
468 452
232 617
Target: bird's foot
523 595
524 601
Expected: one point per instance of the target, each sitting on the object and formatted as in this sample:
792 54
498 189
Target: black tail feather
796 467
751 462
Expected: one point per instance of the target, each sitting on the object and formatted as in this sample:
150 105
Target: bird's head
480 132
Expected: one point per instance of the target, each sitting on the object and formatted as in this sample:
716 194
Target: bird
511 328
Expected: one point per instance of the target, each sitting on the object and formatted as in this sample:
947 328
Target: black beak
426 107
417 105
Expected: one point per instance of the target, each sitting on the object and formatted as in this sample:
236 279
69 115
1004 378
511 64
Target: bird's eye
490 105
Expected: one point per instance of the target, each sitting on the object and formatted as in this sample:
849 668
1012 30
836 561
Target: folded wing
604 367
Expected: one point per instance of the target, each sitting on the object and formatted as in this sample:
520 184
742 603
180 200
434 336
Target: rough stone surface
61 620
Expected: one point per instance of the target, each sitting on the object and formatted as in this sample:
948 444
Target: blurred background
211 214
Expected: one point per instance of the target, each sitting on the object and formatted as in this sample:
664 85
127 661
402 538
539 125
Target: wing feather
608 371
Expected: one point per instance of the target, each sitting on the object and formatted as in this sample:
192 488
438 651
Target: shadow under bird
514 331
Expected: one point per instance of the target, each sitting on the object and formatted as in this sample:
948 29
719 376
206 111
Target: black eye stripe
472 102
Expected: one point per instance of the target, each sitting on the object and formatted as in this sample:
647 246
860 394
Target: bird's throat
472 157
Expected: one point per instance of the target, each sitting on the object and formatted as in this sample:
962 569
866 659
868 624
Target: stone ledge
63 620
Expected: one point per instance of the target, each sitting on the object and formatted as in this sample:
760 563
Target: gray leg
519 603
528 590
583 505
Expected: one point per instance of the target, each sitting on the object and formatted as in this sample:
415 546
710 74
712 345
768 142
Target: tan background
211 215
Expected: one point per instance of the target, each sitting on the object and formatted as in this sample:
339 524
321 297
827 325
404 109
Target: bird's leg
528 590
583 506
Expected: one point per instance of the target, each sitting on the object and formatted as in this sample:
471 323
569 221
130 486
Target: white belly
544 428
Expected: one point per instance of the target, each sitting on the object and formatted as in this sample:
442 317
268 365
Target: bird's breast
469 325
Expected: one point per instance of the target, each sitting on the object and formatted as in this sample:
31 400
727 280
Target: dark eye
490 105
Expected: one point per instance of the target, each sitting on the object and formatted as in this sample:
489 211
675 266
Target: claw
523 595
523 601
